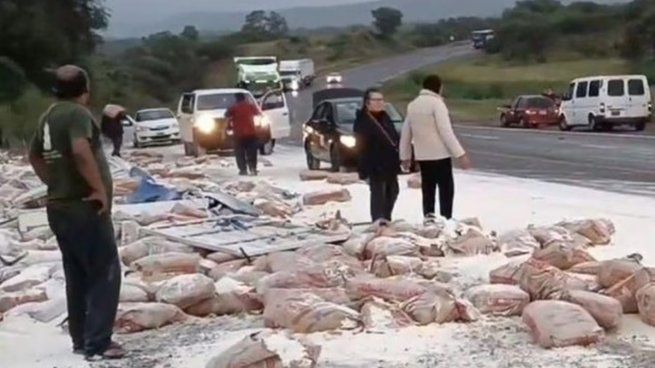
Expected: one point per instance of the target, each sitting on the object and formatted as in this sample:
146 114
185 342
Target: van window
594 88
273 101
187 104
616 88
569 94
581 92
636 87
220 101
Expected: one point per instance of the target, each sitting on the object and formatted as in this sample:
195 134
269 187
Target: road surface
616 162
613 162
373 74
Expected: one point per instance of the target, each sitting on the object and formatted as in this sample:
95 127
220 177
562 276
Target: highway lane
370 75
614 162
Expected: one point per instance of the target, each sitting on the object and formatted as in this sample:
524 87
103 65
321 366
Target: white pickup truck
204 128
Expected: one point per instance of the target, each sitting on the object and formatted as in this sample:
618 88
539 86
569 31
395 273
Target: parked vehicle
530 112
334 78
258 74
603 102
154 126
328 135
481 38
204 127
297 74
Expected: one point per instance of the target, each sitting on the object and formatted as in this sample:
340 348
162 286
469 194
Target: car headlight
262 121
294 85
205 124
140 128
348 141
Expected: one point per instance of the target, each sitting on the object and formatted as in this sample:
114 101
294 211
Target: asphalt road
613 162
619 162
371 75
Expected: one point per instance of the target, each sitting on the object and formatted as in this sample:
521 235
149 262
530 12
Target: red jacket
242 115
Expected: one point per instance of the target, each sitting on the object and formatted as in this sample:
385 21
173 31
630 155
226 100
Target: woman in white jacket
429 128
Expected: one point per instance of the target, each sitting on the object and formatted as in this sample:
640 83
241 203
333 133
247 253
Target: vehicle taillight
530 112
650 106
602 107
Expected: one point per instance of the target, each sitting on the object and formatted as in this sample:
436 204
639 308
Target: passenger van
603 102
203 126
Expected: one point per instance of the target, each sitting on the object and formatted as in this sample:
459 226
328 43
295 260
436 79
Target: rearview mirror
567 97
127 122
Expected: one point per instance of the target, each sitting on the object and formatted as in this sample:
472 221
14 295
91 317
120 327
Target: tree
256 23
387 20
41 34
191 33
277 25
260 26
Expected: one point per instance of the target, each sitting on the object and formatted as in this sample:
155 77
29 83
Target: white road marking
553 132
477 136
550 160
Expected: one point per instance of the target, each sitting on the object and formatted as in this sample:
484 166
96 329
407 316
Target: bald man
66 154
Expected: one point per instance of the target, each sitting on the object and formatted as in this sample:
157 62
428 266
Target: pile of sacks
564 295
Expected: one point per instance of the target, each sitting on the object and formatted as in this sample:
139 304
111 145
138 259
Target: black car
328 135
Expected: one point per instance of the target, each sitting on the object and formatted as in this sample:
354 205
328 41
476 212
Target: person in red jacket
242 120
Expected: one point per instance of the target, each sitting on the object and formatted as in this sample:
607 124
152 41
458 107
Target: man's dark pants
384 192
92 270
246 154
117 142
438 173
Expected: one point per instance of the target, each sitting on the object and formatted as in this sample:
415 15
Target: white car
334 78
205 128
155 126
602 102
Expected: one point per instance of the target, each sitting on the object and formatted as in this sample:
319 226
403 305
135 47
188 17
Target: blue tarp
150 191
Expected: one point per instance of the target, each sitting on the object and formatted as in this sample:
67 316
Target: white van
203 125
605 101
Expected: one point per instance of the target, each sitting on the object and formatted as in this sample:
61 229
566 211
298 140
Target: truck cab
204 127
258 74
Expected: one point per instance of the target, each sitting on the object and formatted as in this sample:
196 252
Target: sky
157 8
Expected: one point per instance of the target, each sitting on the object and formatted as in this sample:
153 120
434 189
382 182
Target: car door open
274 106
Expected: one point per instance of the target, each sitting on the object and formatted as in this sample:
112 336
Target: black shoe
114 351
243 173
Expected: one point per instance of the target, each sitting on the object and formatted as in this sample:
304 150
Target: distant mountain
208 19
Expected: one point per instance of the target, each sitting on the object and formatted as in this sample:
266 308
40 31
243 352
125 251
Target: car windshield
347 112
154 115
540 103
257 62
218 101
288 72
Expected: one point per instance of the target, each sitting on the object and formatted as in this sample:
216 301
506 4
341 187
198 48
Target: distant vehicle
482 37
204 126
603 102
258 74
328 135
154 126
334 78
297 74
530 112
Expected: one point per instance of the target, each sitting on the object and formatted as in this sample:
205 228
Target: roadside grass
475 88
19 118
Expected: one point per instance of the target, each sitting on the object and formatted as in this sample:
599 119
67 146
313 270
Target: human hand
99 197
464 162
406 165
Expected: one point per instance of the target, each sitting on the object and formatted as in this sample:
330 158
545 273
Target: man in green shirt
66 153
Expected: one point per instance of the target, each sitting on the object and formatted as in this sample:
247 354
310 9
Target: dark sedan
328 135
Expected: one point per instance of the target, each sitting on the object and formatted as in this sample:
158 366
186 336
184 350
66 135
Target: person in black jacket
112 127
379 160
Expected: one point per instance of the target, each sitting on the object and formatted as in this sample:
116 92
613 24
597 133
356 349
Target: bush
13 80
